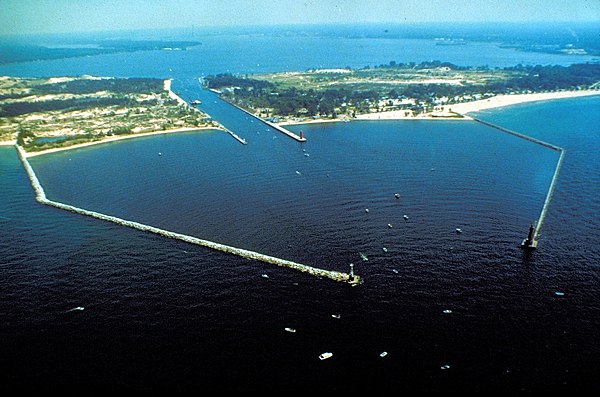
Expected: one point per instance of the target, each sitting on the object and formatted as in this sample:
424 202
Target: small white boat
325 356
458 230
78 308
306 155
405 216
385 249
367 210
159 153
397 195
335 316
292 330
390 225
298 172
395 271
447 311
382 354
363 256
195 102
265 276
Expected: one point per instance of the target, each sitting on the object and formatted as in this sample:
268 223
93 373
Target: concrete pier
528 138
272 125
237 138
172 95
540 220
532 241
41 197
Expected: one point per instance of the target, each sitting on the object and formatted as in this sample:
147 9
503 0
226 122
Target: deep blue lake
164 314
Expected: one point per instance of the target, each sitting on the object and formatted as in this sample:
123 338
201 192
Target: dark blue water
163 314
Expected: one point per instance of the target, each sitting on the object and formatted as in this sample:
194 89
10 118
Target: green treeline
120 95
19 108
257 94
87 86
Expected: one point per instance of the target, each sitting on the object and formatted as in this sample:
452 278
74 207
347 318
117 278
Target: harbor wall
41 197
272 125
540 221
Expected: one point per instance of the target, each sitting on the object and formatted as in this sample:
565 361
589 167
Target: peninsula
429 90
52 114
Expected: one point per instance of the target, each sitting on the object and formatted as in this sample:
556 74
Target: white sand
470 107
116 138
508 100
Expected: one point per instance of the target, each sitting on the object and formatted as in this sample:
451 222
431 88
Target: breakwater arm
172 95
540 220
41 197
528 138
272 125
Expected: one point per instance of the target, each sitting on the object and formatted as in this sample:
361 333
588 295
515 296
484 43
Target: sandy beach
461 108
508 100
116 138
450 111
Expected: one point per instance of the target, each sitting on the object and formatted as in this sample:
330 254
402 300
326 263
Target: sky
65 16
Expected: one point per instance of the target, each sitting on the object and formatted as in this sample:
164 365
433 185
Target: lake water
163 314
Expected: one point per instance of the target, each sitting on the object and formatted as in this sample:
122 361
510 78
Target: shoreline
516 99
462 109
115 139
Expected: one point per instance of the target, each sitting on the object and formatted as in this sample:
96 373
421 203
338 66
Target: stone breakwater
540 220
40 196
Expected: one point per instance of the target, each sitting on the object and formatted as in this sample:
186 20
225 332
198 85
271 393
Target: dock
40 195
172 95
237 138
531 242
518 135
272 125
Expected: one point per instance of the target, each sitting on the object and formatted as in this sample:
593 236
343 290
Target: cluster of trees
87 86
537 78
289 102
256 94
19 108
418 66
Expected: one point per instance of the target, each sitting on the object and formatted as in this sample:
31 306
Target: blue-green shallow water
162 313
